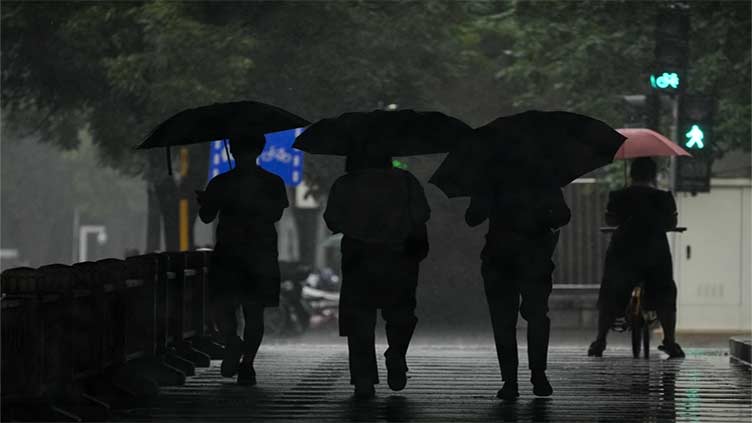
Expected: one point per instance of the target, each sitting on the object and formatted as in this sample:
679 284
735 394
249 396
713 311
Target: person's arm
333 212
416 244
420 212
614 215
478 210
208 207
558 214
281 202
671 216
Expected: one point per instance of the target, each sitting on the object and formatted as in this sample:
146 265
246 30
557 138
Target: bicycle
637 319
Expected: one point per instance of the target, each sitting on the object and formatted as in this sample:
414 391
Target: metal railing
137 322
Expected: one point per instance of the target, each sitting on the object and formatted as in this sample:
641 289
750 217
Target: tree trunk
167 193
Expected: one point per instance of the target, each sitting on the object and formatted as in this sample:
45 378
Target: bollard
181 299
166 277
142 349
88 327
57 320
22 335
203 340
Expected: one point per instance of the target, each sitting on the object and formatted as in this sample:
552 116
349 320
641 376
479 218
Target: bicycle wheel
637 325
646 339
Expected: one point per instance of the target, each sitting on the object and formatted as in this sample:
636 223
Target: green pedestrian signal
696 135
695 138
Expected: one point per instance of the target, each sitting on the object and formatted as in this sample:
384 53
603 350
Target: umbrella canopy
394 133
559 145
219 121
642 142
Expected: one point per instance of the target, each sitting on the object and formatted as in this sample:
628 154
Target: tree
118 69
121 68
582 56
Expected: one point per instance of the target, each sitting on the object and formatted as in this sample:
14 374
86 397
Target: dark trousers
400 324
253 333
505 283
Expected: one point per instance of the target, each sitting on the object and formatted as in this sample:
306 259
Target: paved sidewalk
458 383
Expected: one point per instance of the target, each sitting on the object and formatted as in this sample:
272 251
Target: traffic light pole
675 138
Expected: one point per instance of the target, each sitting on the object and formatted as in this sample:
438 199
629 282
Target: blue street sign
278 157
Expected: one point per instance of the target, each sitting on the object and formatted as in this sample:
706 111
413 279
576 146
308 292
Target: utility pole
183 212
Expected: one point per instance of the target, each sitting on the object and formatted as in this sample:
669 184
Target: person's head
246 148
367 161
643 170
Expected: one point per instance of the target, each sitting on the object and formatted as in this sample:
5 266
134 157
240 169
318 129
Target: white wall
712 259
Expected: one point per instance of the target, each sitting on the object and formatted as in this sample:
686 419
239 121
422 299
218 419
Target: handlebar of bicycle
610 229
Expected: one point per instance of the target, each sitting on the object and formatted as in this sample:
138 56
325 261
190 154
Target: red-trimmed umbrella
642 142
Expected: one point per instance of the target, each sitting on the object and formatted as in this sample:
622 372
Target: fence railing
134 323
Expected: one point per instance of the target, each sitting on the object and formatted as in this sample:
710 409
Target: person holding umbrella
245 272
519 164
639 250
382 213
248 201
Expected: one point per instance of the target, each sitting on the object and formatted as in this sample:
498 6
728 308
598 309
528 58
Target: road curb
740 349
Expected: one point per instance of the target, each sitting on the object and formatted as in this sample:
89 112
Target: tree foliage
121 68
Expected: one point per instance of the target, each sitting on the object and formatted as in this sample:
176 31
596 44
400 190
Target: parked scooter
321 294
293 315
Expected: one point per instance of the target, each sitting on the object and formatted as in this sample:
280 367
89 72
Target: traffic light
695 134
671 49
696 123
399 165
641 111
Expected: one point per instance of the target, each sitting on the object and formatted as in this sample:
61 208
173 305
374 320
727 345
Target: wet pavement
458 382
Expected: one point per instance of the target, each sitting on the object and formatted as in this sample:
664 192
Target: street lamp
83 232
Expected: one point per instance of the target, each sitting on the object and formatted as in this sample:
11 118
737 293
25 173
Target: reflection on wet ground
310 382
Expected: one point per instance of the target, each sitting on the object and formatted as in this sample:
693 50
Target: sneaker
673 350
364 390
396 369
541 386
231 360
510 391
596 349
246 374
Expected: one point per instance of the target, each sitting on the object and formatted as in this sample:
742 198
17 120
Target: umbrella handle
169 160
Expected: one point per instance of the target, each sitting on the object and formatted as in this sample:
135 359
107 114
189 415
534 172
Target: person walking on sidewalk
244 277
382 213
524 213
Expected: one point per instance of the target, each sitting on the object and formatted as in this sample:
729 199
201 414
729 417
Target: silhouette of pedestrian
639 252
523 211
381 212
244 270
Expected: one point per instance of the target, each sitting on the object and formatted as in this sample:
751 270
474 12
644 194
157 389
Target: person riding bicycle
639 253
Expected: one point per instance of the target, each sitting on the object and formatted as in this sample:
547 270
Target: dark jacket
382 207
643 214
244 262
639 250
520 217
249 201
382 214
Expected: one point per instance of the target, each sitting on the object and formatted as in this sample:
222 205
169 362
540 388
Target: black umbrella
395 133
562 145
221 121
